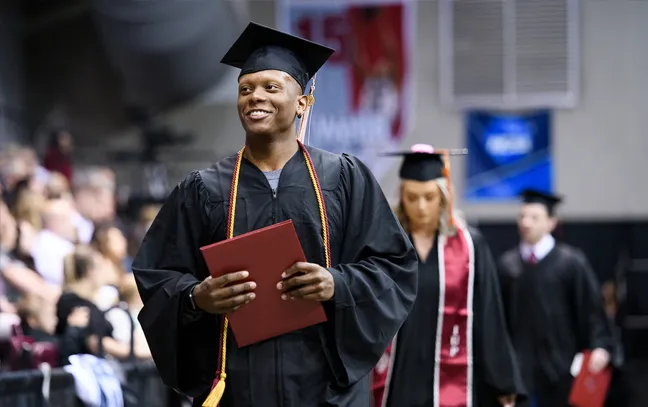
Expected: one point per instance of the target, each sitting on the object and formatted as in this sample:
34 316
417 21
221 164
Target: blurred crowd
66 285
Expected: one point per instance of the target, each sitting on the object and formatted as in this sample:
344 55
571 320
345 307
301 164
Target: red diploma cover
265 253
590 389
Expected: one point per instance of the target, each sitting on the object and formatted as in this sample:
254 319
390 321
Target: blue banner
507 152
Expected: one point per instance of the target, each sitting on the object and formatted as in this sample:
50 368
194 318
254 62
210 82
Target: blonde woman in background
86 272
111 243
28 208
16 277
453 349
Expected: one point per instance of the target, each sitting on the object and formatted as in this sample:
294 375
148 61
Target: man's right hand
212 296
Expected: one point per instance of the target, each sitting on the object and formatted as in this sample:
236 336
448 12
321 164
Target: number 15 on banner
332 30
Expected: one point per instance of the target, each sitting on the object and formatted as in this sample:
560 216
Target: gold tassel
301 132
216 394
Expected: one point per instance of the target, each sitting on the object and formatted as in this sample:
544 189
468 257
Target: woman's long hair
445 227
77 264
28 207
101 242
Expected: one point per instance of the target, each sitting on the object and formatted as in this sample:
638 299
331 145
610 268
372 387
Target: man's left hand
598 360
307 281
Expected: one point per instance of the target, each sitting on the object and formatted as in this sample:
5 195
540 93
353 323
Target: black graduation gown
374 268
496 371
554 310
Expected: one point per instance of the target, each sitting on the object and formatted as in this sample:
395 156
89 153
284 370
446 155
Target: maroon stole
453 373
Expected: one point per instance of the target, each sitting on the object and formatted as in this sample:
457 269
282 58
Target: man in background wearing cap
554 306
361 267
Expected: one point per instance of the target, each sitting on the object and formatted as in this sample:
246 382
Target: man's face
534 222
268 102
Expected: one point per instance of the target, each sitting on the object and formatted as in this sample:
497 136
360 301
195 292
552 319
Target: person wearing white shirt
94 197
533 253
85 228
553 304
55 241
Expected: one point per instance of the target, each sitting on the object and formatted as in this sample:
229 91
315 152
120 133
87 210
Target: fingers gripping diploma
224 294
307 281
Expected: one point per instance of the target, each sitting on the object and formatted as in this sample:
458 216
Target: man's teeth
258 113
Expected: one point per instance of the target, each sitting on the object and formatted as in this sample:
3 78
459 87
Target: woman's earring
299 115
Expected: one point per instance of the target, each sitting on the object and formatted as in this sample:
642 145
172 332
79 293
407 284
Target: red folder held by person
590 389
265 253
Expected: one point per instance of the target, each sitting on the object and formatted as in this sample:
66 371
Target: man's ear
302 103
553 222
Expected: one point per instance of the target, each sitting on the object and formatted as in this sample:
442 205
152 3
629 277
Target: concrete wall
600 147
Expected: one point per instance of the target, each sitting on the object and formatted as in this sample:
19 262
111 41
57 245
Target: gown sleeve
497 363
506 281
375 282
168 264
595 328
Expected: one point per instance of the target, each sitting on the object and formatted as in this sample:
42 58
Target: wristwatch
192 301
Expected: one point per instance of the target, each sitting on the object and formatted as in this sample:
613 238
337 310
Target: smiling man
361 265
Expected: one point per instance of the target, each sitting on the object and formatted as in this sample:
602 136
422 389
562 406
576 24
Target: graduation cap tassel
301 134
446 174
218 387
216 394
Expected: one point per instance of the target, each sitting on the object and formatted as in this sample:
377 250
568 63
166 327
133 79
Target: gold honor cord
218 387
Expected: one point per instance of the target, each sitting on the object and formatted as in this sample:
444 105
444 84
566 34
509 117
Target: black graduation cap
261 48
423 163
534 196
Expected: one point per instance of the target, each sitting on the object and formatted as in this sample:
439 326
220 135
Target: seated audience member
13 170
146 217
28 207
57 158
37 318
27 211
16 278
86 272
94 198
55 241
124 320
112 244
58 187
108 240
38 321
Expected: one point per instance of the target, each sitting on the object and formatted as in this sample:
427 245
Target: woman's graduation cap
425 163
261 48
548 200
